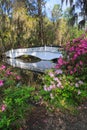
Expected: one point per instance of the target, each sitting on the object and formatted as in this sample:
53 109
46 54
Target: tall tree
36 9
40 6
56 12
70 16
5 12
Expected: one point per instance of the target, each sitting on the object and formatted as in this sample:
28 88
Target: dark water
28 77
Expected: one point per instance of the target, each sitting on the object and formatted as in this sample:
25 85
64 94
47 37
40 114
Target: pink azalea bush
76 54
67 84
14 99
8 77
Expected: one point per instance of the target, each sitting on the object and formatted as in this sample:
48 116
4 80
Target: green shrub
15 105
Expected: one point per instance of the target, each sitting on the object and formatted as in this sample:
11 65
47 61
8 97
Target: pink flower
59 71
51 74
77 85
52 86
56 79
60 61
71 72
49 89
80 82
71 49
75 56
18 77
75 70
1 83
45 88
8 72
81 63
3 107
58 85
2 67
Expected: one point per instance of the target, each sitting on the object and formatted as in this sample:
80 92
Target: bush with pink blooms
66 86
8 77
14 99
74 62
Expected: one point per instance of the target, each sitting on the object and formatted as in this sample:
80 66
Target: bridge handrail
50 49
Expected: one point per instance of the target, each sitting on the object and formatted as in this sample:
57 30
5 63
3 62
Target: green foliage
62 91
56 12
16 100
74 32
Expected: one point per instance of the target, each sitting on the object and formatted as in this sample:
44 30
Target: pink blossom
49 89
77 85
45 88
51 74
59 71
3 107
60 61
71 72
2 67
75 69
79 53
80 62
18 77
80 82
72 49
1 83
58 85
56 79
75 56
8 72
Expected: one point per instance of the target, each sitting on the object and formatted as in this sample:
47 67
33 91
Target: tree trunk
40 22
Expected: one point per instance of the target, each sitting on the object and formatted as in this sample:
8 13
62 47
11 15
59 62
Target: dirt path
41 120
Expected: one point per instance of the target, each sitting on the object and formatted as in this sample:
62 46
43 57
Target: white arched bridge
44 53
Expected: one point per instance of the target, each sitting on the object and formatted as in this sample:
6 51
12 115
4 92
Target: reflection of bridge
44 53
40 66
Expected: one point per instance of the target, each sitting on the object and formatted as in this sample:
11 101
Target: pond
39 66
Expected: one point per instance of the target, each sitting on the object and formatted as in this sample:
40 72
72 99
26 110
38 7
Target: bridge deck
44 53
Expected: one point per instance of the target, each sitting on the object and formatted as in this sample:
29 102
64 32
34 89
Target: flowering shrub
8 77
76 54
14 99
62 91
67 86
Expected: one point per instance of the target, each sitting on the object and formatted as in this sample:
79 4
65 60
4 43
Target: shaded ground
41 120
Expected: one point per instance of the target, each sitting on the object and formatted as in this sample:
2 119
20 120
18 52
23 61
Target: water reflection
40 66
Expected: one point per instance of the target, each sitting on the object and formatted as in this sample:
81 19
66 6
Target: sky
50 4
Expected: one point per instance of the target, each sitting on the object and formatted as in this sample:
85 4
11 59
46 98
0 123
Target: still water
40 66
